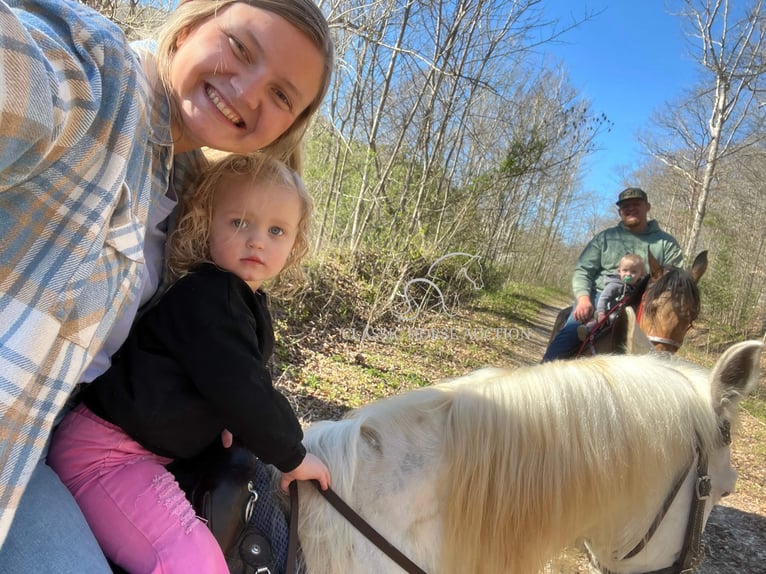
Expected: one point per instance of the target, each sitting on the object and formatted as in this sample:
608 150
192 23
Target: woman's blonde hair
303 14
189 244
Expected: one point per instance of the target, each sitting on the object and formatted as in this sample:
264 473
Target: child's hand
601 316
310 469
226 438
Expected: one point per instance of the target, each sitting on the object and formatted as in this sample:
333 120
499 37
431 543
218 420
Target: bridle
692 551
619 308
356 521
662 341
653 338
691 555
675 344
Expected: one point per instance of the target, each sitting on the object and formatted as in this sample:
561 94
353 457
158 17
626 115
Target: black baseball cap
632 193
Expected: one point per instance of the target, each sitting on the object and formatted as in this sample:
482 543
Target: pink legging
134 506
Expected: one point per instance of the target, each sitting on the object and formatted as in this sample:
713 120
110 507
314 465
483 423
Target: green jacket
602 255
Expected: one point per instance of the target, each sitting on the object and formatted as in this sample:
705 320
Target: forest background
446 133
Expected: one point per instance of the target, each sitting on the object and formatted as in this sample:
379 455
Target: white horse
500 470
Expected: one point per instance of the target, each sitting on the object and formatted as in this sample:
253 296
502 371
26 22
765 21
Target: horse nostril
725 494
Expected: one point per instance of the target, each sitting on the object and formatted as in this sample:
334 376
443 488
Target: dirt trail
532 351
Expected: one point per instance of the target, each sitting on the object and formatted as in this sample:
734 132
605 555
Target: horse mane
634 299
336 444
685 294
519 464
541 455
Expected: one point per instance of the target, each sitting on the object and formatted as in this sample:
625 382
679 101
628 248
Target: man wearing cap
634 234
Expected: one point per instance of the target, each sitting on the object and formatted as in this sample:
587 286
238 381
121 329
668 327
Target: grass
341 369
516 301
322 350
756 405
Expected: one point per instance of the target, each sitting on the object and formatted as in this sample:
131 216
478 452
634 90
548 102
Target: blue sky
627 61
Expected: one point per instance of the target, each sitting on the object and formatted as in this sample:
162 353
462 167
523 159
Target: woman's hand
310 469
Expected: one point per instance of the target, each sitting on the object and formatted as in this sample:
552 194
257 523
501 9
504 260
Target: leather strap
663 341
356 521
368 531
692 552
660 516
292 541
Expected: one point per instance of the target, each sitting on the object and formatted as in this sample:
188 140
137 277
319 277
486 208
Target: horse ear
655 269
734 376
636 342
699 266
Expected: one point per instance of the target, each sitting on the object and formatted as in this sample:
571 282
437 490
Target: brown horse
666 305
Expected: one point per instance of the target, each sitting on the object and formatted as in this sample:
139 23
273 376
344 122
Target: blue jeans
566 342
49 533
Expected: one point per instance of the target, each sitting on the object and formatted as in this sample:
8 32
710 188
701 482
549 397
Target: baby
616 288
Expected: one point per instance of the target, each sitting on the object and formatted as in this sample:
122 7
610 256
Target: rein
692 552
689 559
356 521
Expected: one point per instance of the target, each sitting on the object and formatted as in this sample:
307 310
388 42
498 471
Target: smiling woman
90 135
241 78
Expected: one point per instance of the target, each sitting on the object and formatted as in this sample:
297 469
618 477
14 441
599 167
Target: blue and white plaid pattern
81 150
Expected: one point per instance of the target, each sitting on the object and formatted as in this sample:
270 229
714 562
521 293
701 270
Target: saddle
222 485
606 327
609 325
601 329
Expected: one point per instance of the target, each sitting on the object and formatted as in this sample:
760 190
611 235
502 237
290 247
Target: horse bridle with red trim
652 338
619 308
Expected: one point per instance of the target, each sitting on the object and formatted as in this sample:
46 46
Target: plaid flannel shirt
82 148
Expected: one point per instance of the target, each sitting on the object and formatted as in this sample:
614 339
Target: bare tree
136 18
711 124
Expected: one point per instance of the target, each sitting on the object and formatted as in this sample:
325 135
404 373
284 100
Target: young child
616 288
193 367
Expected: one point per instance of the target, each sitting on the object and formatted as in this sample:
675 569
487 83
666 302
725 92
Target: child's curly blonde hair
189 242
